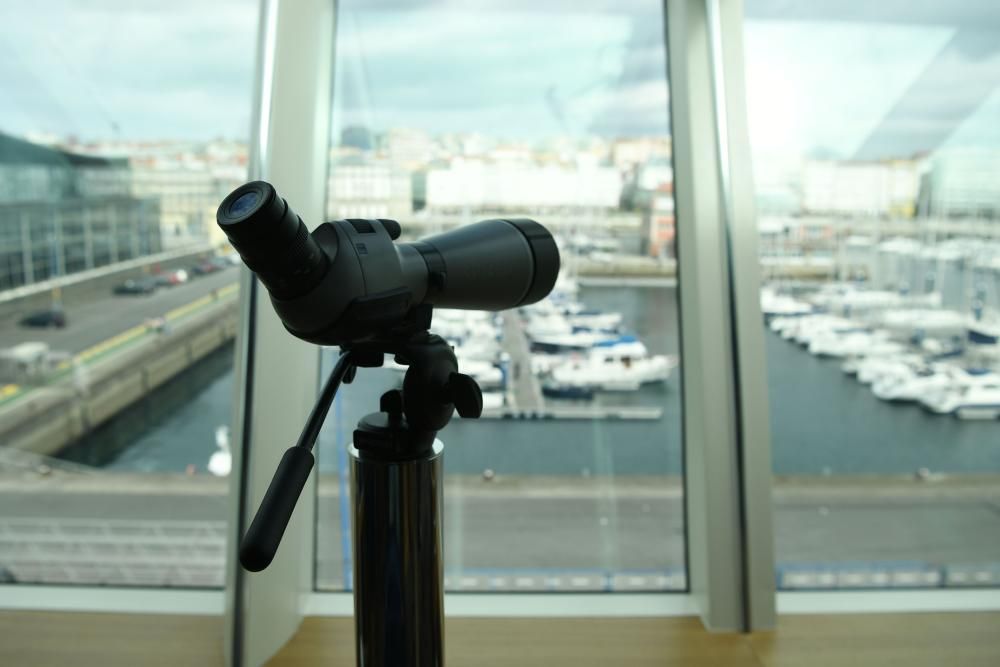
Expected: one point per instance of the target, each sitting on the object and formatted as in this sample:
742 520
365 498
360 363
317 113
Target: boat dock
524 391
625 412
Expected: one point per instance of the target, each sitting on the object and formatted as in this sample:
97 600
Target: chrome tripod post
398 565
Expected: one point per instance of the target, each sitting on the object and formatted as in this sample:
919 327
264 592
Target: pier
524 391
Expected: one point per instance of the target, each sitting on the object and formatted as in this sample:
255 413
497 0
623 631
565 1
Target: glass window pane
443 116
121 128
876 147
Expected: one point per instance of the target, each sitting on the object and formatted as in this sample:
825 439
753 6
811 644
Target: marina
823 421
865 377
550 360
900 346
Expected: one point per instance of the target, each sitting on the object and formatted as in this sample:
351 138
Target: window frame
729 530
290 136
728 22
713 520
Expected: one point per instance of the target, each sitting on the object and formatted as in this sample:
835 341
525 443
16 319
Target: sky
138 69
184 69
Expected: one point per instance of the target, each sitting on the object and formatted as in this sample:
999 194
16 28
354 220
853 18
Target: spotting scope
348 281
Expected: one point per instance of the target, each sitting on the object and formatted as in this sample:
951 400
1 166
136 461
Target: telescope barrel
491 265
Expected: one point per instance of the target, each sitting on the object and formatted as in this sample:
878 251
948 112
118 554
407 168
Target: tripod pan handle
261 541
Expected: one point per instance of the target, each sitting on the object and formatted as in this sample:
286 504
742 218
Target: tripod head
404 427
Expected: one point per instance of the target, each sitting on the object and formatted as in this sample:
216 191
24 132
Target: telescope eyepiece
272 240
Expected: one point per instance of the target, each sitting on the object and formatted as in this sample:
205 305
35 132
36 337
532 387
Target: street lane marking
141 329
9 392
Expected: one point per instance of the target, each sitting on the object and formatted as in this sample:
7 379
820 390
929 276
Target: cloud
183 69
518 72
180 69
509 68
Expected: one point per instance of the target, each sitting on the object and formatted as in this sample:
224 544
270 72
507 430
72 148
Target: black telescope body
348 281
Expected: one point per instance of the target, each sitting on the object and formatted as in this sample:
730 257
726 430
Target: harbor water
823 421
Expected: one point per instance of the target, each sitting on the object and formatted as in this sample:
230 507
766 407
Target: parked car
52 317
171 278
136 286
204 268
220 263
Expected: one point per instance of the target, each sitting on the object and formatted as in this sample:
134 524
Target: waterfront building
62 212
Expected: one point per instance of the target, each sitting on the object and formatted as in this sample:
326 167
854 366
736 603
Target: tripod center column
398 547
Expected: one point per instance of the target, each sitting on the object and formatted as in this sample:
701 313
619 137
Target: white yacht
870 369
576 341
781 323
854 342
917 383
477 349
566 287
542 364
984 331
773 305
559 322
594 319
475 325
221 462
967 400
623 365
848 299
493 400
486 375
906 323
814 326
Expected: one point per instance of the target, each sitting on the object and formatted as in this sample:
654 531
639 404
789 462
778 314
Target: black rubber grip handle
261 542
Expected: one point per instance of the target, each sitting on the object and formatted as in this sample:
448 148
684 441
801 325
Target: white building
369 191
188 201
886 188
477 185
631 153
187 180
962 182
408 148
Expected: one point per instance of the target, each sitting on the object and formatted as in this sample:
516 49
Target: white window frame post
727 437
277 375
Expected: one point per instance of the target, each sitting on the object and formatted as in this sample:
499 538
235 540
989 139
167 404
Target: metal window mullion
718 570
277 374
728 67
